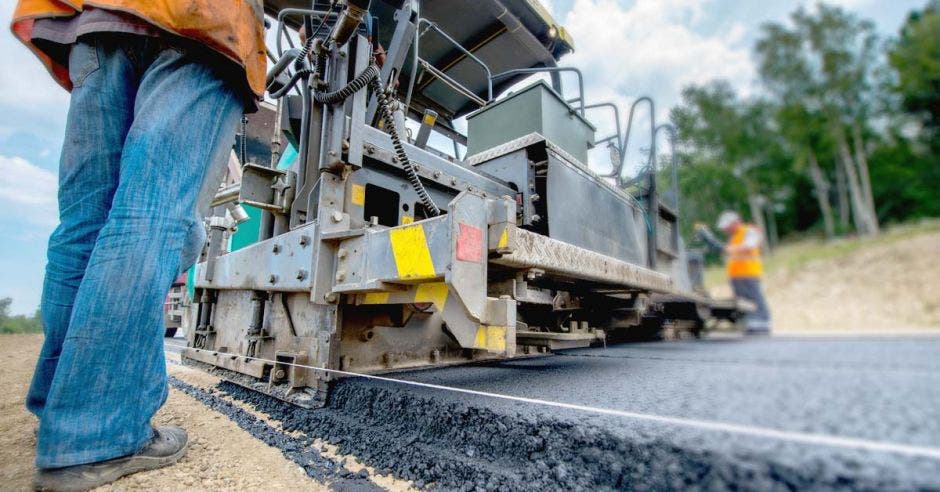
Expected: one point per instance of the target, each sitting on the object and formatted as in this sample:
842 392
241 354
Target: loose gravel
453 446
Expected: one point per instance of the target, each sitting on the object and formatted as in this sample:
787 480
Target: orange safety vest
746 262
234 28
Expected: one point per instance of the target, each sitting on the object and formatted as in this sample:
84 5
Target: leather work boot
166 447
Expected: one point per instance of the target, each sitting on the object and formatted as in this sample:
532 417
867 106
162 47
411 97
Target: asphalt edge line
743 429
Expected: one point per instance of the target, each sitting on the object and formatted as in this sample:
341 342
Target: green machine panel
536 108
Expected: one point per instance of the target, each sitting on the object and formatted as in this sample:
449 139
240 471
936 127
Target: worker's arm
704 234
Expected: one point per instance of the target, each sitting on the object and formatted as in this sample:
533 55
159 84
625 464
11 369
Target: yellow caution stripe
375 298
358 195
432 292
411 252
503 239
490 338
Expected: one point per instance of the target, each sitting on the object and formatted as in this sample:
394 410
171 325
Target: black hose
292 82
354 86
400 149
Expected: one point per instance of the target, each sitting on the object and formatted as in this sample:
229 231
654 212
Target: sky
626 48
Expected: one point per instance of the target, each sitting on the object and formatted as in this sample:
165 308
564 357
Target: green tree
826 63
730 155
915 57
17 323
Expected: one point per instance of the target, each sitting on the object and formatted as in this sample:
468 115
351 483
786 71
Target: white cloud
29 190
650 48
22 76
849 4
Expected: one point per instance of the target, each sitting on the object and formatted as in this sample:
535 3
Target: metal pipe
226 195
414 64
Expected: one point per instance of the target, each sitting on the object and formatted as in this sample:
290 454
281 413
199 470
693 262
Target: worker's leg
757 322
762 315
111 375
100 114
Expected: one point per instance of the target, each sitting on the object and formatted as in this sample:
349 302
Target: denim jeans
150 127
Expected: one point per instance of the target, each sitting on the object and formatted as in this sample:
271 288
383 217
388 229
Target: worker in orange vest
743 265
157 91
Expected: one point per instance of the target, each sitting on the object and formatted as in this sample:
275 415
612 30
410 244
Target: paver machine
376 251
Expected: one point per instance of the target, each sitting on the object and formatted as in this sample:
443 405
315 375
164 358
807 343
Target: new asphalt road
724 412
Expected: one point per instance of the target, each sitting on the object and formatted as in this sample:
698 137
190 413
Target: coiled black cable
243 142
369 77
354 86
406 163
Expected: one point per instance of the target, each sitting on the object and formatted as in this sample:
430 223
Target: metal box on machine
534 109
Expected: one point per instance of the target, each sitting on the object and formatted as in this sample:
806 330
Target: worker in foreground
157 90
745 268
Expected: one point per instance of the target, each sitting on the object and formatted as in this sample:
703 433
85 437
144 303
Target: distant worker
742 254
157 91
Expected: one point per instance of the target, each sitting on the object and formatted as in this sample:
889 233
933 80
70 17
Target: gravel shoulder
222 456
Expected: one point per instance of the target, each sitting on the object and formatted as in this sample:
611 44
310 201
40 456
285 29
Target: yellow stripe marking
410 249
491 338
503 239
376 298
358 194
429 120
435 292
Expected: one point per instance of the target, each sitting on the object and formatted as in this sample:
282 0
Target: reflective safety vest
234 28
745 262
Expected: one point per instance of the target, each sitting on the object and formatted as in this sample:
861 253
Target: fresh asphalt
882 392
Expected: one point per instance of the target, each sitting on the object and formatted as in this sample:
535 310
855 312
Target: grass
793 255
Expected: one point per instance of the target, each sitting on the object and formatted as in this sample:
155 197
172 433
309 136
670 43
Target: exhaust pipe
349 21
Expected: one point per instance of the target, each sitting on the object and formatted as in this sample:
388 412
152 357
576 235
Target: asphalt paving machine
376 251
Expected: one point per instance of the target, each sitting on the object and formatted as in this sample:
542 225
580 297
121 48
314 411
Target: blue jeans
149 131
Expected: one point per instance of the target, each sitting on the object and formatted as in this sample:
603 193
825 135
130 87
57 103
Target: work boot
166 447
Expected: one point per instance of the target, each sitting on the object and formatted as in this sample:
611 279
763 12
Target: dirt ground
889 285
221 455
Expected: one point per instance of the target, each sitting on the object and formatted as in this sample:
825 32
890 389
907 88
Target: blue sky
626 48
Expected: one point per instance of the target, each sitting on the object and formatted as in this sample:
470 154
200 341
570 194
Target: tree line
843 136
18 323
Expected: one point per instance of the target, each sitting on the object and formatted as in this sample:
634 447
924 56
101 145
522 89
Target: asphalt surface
884 391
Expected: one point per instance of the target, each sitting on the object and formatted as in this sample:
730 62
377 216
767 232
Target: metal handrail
281 26
489 74
674 163
618 171
450 82
520 71
616 136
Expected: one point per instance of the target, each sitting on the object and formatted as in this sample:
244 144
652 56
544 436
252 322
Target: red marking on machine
469 243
